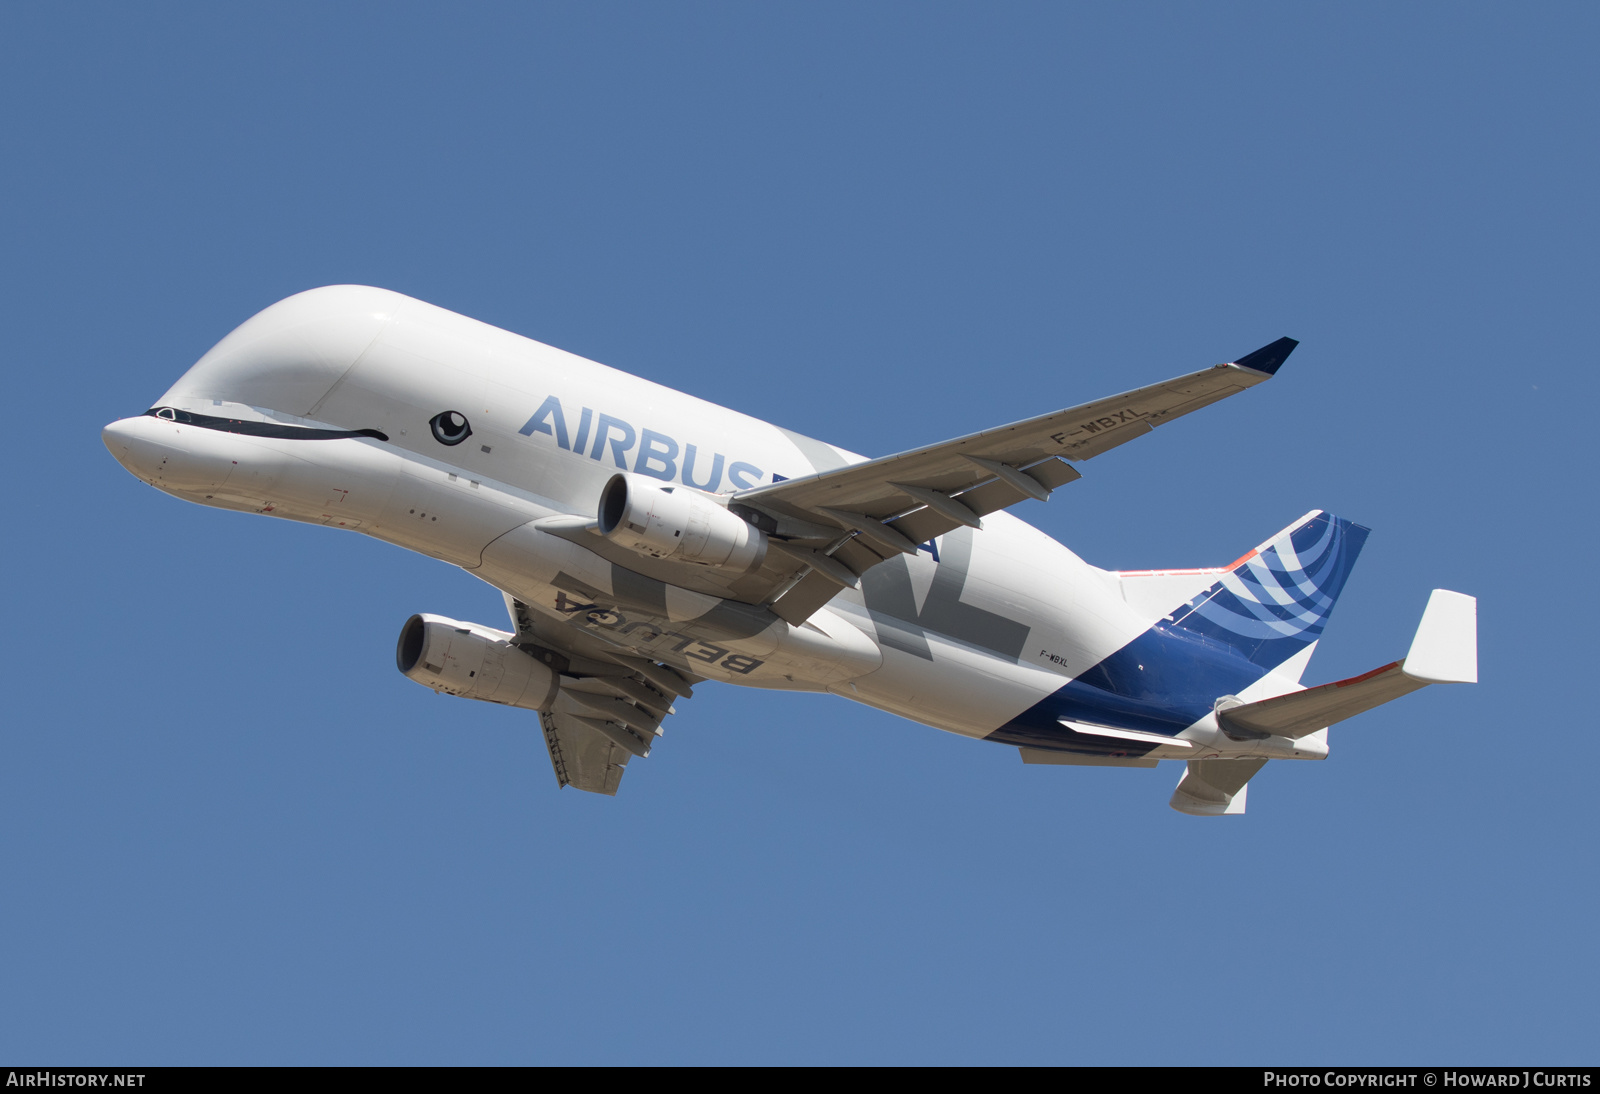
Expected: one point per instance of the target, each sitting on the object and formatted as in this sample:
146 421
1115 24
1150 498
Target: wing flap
924 524
805 596
608 709
581 757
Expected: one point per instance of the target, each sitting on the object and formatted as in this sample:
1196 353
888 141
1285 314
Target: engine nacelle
474 662
676 522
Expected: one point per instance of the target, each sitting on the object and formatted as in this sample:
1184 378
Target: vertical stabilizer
1275 601
1251 618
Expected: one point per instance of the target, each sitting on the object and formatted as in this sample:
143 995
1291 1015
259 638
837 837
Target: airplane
647 541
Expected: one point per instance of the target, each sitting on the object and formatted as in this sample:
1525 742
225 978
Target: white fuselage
964 640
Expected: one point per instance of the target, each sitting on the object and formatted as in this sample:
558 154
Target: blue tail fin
1267 607
1275 600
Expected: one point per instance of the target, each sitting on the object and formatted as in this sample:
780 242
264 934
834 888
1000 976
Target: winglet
1269 358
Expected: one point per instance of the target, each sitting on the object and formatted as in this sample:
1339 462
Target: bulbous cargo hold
677 522
474 662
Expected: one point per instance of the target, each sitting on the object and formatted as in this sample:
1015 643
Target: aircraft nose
133 451
157 452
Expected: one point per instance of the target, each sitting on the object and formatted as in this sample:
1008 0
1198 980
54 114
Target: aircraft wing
837 524
608 710
582 757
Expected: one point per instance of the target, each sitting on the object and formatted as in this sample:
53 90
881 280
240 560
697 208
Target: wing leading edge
843 522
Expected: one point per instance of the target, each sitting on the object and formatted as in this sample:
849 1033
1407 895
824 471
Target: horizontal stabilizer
1445 650
1214 788
1304 712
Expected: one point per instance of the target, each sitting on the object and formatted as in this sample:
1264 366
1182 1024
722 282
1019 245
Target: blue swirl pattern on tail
1267 607
1276 600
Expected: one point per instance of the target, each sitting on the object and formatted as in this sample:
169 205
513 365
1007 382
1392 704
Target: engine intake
677 522
474 662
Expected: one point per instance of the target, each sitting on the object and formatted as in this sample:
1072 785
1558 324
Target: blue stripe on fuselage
1162 682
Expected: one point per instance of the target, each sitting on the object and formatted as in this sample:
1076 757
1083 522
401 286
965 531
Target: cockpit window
261 429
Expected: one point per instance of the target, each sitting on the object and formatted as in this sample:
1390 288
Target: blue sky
230 832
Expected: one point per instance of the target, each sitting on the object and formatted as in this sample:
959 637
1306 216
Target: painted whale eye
450 427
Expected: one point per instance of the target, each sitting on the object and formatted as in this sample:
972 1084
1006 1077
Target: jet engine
676 522
474 662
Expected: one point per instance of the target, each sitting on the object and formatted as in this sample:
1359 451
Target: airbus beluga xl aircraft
647 541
